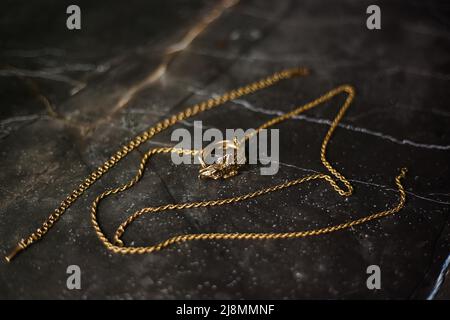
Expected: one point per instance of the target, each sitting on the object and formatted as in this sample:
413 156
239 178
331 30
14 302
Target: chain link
119 247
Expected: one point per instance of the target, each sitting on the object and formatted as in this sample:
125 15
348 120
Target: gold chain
118 245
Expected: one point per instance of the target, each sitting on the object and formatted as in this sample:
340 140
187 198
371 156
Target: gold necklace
218 170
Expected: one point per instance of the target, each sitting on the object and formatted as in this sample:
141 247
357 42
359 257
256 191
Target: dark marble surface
66 107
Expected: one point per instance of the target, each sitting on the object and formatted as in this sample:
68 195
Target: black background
400 117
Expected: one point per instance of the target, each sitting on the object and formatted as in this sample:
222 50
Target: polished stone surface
71 98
